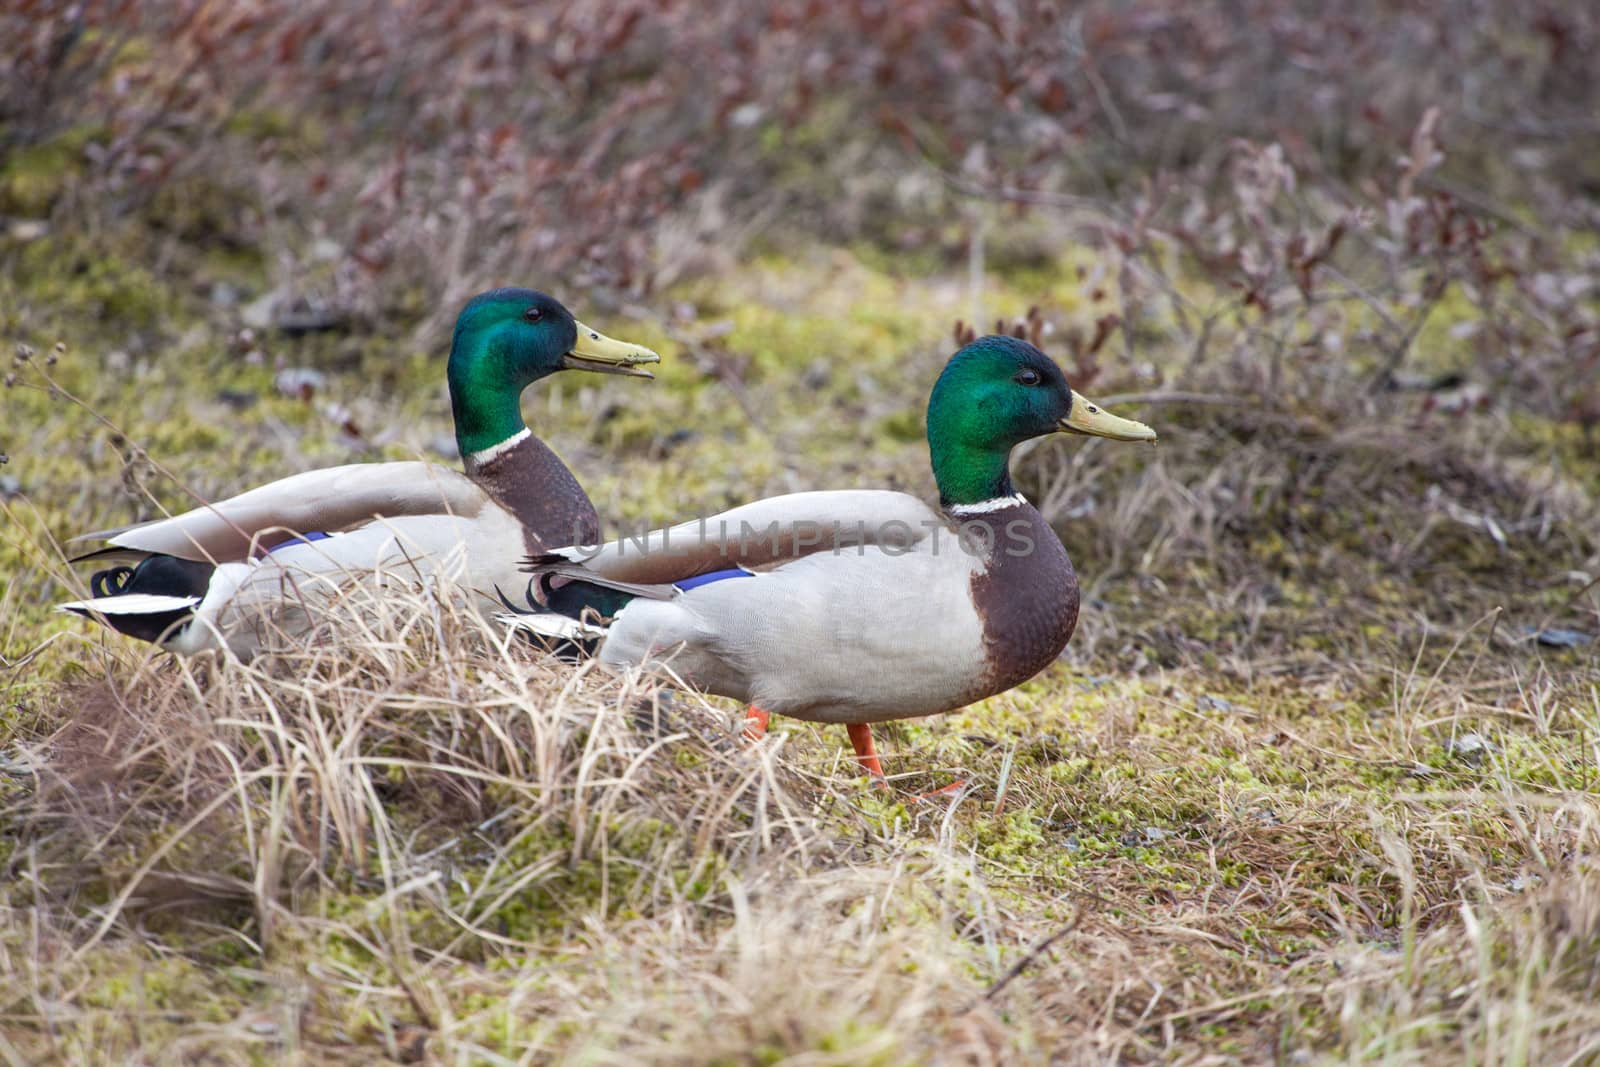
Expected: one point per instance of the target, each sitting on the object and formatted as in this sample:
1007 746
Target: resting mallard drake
858 606
223 574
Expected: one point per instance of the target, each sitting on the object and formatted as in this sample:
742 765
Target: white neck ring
493 452
984 507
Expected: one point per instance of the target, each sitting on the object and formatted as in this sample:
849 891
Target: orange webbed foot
866 753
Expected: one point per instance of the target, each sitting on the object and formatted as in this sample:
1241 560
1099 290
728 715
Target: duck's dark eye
533 314
1027 377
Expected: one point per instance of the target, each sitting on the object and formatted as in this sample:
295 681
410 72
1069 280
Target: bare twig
1033 954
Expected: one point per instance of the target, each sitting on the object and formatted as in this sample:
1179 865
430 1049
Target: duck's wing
325 501
849 637
763 533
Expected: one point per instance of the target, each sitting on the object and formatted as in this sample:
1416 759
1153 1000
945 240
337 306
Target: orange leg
755 723
866 754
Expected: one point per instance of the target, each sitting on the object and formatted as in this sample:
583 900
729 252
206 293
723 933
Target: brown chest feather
1027 598
531 482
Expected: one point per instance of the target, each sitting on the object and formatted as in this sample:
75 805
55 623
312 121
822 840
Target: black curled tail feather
559 586
164 576
158 575
112 581
531 604
570 649
567 588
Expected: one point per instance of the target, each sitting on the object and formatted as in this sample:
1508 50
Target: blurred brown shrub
434 145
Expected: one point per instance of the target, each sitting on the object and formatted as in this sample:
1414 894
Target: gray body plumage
401 525
894 616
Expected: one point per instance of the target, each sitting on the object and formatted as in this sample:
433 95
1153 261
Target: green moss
87 280
32 177
256 124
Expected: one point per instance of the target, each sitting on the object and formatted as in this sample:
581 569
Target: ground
1316 780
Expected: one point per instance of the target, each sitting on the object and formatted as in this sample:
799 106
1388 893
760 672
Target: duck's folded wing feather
762 533
847 637
336 498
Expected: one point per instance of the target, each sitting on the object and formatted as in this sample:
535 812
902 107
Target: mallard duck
853 607
219 575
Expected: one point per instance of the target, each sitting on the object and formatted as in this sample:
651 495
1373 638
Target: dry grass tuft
1305 789
1313 536
432 842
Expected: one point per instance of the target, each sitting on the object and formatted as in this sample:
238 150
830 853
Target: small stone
260 311
9 486
1557 637
237 399
1082 509
1469 747
303 320
746 115
301 382
14 767
817 375
25 230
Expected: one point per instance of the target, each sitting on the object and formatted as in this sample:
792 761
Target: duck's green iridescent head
507 339
994 394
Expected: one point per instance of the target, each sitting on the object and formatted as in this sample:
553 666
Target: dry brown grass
1303 789
427 842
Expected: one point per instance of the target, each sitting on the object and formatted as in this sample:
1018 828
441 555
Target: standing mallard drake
219 575
860 606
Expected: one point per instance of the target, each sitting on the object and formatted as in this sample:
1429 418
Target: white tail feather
551 625
131 604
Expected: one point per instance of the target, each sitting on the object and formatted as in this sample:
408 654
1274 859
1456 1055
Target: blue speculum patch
303 539
715 576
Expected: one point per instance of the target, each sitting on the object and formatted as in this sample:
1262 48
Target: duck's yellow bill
1087 417
595 351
